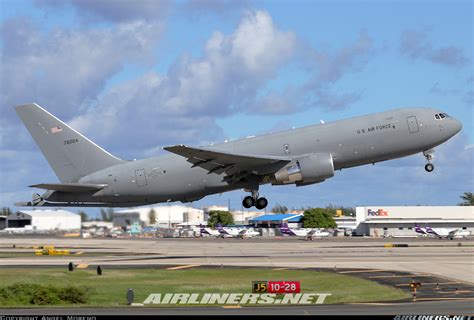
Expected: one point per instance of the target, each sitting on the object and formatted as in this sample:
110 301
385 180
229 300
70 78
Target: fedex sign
377 213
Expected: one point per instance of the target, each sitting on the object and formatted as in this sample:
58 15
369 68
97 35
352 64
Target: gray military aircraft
92 177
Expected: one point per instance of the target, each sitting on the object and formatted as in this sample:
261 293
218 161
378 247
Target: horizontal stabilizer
73 204
70 187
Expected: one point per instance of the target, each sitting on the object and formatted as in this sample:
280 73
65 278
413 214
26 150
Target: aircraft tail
284 228
220 229
69 153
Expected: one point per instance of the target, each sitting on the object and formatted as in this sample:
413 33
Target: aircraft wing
234 165
70 187
452 233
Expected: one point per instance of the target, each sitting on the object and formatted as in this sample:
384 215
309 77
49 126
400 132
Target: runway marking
362 271
462 299
428 283
183 267
231 307
456 292
404 276
82 266
373 303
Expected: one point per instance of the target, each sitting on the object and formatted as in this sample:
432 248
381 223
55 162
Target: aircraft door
140 178
412 124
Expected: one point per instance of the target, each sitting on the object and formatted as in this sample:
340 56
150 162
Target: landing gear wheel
248 202
429 167
261 203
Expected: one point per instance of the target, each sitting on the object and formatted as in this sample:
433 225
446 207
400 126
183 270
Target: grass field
110 289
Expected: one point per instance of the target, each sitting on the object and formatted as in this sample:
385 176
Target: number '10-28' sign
276 287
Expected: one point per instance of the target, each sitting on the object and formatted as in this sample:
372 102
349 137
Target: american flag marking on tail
56 129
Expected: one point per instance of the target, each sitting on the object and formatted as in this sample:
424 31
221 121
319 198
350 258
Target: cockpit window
441 116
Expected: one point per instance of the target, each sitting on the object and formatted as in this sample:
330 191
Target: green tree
225 218
468 199
6 211
346 211
110 214
107 215
278 208
319 218
84 216
152 216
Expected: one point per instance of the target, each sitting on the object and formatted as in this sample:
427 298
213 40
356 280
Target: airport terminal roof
47 213
278 217
419 221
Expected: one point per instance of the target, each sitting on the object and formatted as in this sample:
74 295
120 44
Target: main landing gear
429 167
254 200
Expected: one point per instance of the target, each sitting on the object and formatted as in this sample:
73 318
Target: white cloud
182 104
66 67
416 45
324 68
116 11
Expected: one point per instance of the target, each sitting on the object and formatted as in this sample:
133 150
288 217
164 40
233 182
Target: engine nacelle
309 169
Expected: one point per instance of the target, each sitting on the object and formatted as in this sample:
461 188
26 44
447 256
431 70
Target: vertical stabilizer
69 153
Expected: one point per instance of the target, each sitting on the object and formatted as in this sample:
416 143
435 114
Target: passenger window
436 116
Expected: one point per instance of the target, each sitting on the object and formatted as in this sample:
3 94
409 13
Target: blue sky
135 76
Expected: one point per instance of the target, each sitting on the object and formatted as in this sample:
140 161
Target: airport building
240 216
384 221
44 220
169 216
243 217
275 220
213 208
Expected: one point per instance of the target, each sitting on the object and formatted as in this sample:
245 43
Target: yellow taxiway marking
405 276
463 299
373 303
231 307
183 267
361 271
82 266
79 252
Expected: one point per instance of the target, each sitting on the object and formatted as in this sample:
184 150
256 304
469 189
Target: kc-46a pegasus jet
90 176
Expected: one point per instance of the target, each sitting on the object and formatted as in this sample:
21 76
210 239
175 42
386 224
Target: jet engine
309 169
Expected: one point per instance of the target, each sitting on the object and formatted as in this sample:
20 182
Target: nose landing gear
254 200
429 167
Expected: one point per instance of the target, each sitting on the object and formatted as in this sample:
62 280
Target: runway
451 260
446 264
459 307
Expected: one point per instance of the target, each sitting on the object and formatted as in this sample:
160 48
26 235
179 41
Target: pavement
457 307
445 268
451 260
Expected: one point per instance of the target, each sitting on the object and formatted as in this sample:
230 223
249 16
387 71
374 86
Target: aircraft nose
457 125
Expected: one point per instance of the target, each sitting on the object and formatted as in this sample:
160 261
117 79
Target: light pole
169 215
242 206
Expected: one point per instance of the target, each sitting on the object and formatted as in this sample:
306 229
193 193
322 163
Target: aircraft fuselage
352 142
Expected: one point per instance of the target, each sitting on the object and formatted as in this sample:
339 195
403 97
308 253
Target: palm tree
468 199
